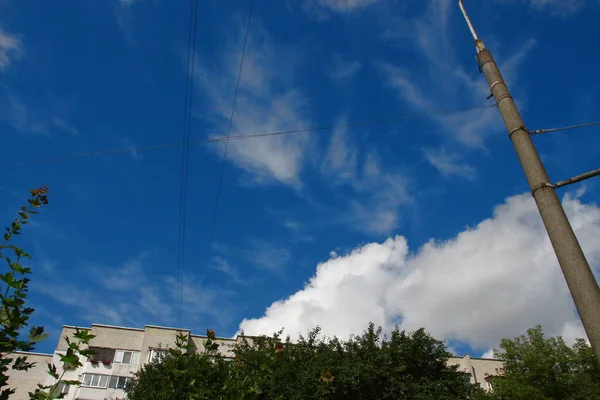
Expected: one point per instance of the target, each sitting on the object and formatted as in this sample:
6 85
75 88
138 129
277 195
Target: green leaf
71 382
36 334
21 364
84 335
52 371
70 358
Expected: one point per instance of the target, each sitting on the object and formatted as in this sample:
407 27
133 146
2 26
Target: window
127 357
157 355
95 380
62 388
103 354
118 382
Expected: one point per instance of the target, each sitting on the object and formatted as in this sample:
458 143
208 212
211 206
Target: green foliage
369 366
539 368
182 374
14 314
70 360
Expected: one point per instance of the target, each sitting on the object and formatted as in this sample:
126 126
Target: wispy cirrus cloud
262 254
378 192
10 48
342 68
267 101
441 73
128 294
559 8
125 19
224 266
449 164
28 119
341 6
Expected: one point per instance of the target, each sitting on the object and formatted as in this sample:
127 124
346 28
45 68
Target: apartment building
120 351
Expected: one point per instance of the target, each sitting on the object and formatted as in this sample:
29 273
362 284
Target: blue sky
425 222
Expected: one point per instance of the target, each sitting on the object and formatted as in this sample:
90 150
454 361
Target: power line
227 137
242 137
566 128
185 153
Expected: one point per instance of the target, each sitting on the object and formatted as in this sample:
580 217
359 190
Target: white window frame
156 355
134 357
95 381
62 388
116 379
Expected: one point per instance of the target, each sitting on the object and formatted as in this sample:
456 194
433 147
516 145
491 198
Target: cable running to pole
565 128
243 137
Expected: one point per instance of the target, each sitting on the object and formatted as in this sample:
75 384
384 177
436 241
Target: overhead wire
565 128
243 137
185 154
224 158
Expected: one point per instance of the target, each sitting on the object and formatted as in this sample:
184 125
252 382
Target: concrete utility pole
576 270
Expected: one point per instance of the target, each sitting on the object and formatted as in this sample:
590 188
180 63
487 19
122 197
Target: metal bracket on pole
519 128
541 185
578 178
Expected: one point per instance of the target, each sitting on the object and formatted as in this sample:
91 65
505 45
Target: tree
368 366
539 368
14 314
181 374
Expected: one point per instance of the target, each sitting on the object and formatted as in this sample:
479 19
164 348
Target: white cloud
343 69
557 7
387 191
222 265
128 143
267 101
341 6
64 126
378 193
32 120
125 18
441 82
488 354
10 48
18 115
266 255
494 280
340 161
128 294
449 164
262 255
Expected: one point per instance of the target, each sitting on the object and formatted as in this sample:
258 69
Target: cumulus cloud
491 281
10 48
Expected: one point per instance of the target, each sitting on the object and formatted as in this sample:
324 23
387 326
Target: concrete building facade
121 351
